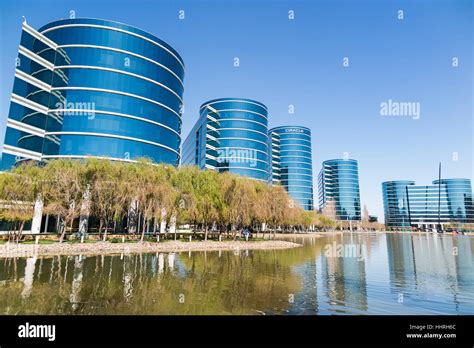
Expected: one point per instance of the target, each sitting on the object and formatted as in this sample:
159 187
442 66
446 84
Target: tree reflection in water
424 268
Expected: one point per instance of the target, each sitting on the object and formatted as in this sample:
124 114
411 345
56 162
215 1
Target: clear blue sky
299 62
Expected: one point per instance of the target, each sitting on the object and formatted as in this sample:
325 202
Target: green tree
63 191
209 201
18 191
106 180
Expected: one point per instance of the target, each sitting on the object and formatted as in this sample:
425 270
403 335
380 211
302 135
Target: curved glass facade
91 87
291 162
339 186
395 201
459 199
408 205
230 135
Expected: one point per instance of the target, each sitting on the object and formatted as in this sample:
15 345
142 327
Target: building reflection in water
343 276
28 278
75 297
432 273
434 265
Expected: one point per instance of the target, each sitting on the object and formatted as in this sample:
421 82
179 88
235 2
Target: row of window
80 121
110 38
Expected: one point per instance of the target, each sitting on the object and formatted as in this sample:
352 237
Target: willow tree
226 181
63 191
260 208
163 198
141 179
186 198
306 219
107 182
239 196
209 200
278 203
325 222
18 190
156 192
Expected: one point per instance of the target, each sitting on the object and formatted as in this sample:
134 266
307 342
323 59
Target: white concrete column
37 216
173 224
161 263
171 260
85 211
163 221
74 296
28 278
132 216
46 223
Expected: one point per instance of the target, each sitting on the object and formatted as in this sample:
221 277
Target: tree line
110 190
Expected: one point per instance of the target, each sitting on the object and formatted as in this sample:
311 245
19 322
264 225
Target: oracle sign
294 130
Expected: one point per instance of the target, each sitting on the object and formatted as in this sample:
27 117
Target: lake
358 273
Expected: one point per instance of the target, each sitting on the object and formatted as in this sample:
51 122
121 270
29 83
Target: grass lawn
78 241
119 240
44 241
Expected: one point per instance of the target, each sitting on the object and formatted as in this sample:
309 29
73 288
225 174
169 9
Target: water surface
357 273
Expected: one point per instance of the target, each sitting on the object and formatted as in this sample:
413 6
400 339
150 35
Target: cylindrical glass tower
115 92
242 140
459 199
396 203
339 185
292 162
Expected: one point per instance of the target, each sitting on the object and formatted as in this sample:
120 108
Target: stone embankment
28 250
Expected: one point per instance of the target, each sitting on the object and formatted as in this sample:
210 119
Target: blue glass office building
338 184
230 135
425 207
395 200
90 87
291 162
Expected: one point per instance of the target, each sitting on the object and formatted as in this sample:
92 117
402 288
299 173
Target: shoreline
405 232
299 235
11 250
